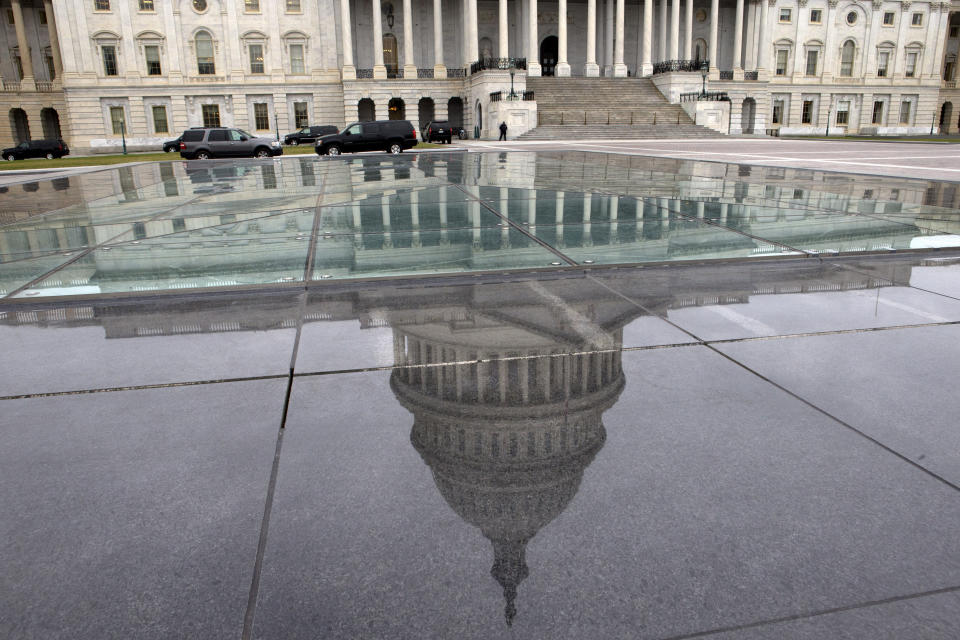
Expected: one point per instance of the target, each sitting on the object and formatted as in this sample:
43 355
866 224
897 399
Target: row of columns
614 23
29 82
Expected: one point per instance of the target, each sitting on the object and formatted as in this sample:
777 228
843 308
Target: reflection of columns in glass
619 68
738 36
688 32
563 66
663 206
533 57
385 213
614 218
700 212
503 42
379 70
723 213
714 11
505 211
357 227
409 68
54 39
662 44
638 213
26 61
532 215
591 68
587 227
439 69
559 218
415 216
475 216
646 62
675 30
762 46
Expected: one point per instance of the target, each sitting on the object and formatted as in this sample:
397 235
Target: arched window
846 58
205 64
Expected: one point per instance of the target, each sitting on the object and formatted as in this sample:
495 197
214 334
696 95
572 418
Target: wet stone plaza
553 394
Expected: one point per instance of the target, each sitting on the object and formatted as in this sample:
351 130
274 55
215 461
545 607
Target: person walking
503 131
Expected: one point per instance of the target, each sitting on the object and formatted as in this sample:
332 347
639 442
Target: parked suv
308 134
48 149
221 142
438 130
392 136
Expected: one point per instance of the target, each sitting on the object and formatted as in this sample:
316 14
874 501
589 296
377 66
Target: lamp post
513 70
703 74
123 136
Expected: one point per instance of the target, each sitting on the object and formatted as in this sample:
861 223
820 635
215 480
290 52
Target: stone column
763 47
688 32
608 38
563 65
662 45
348 71
54 40
738 40
646 63
439 69
473 47
502 35
675 30
533 58
379 70
619 68
27 83
591 68
714 13
409 68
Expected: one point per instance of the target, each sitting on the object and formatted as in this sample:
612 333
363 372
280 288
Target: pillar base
28 83
713 74
533 70
738 75
439 71
562 70
607 70
379 72
348 72
410 72
620 70
591 70
646 69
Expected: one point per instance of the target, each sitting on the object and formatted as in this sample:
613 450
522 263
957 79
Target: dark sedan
172 145
48 149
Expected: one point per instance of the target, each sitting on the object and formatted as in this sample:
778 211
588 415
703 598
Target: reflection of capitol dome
507 438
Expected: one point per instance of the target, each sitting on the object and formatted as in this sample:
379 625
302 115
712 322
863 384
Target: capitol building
97 72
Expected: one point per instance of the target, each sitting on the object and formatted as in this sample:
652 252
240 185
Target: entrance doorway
366 110
946 114
548 55
390 57
396 109
747 115
425 111
19 125
455 112
51 123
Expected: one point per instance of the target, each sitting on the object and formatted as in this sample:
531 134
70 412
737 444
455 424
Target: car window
245 133
192 135
236 135
370 129
23 145
304 130
217 135
353 129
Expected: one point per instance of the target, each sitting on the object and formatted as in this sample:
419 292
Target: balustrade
668 66
500 64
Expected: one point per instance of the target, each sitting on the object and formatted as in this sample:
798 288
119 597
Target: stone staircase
607 108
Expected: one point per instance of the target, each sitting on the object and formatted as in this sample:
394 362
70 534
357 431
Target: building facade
144 70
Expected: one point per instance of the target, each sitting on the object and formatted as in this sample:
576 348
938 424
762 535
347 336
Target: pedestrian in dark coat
503 131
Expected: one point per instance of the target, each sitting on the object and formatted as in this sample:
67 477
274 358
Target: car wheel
462 134
261 153
294 142
333 150
49 156
395 148
168 149
202 155
9 157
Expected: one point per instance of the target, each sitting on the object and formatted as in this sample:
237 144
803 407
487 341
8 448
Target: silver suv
221 142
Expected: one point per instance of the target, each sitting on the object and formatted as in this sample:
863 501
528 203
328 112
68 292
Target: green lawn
159 156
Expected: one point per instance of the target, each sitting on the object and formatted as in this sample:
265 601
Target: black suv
308 134
220 142
438 130
48 149
392 136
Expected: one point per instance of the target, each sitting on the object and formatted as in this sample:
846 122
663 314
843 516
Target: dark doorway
425 112
548 55
396 109
390 55
51 123
455 112
946 114
19 125
366 110
747 115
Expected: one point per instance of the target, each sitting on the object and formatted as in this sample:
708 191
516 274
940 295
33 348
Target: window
852 18
296 59
843 112
205 65
916 20
846 58
293 6
816 16
10 19
905 112
109 53
51 68
179 224
785 15
948 69
782 62
798 194
160 119
888 18
256 58
42 14
211 115
883 61
139 231
101 5
806 114
877 112
117 120
954 31
812 55
777 111
152 54
18 63
261 119
910 70
300 115
146 5
251 6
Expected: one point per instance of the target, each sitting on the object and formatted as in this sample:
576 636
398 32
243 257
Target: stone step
617 132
